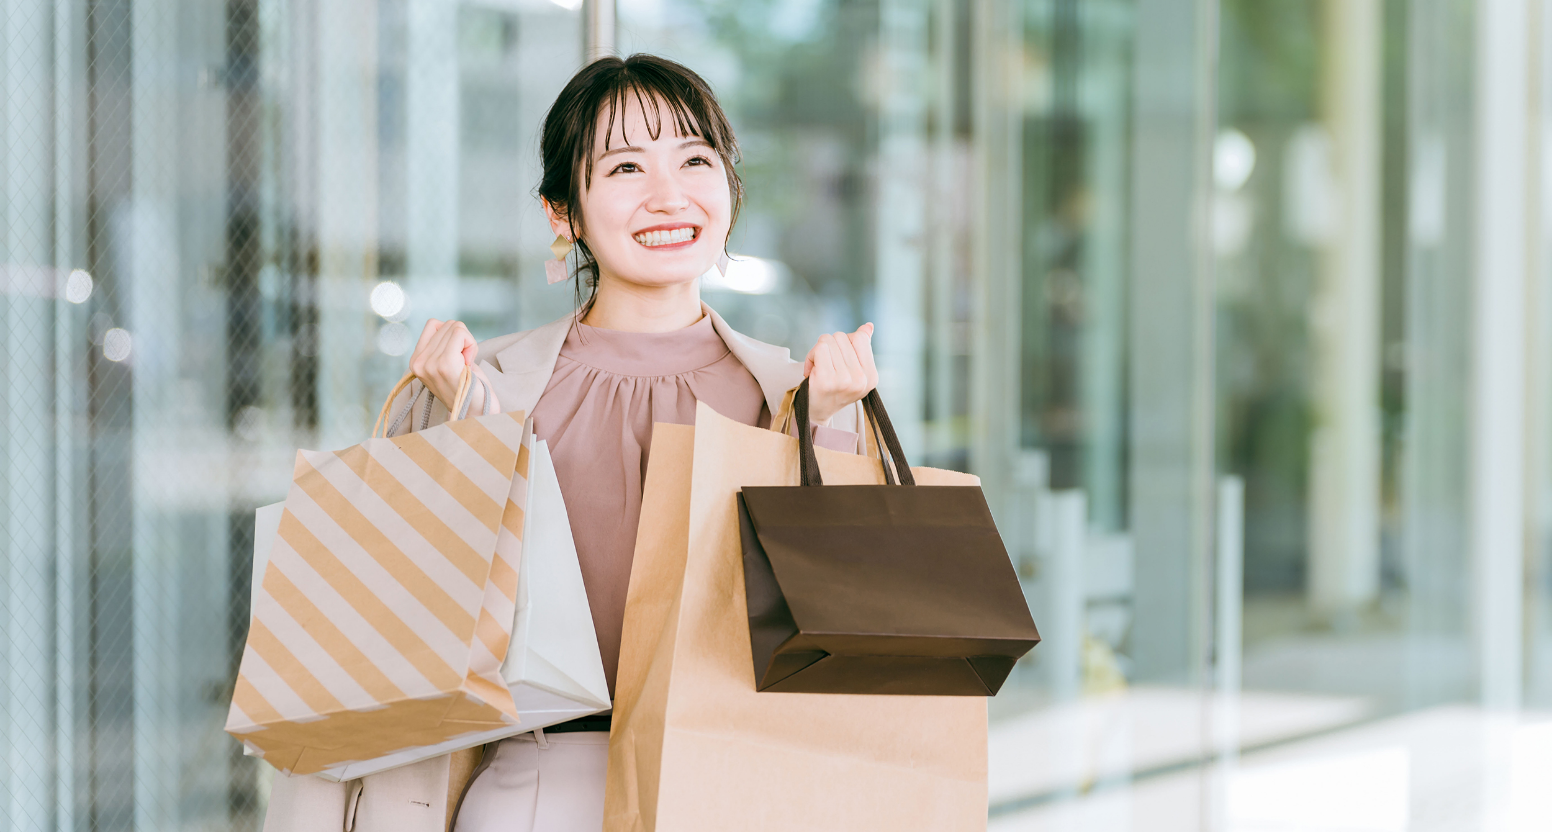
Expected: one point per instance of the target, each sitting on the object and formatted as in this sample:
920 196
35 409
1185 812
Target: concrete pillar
901 226
600 38
1344 448
1498 476
1538 650
1066 605
947 231
1104 101
997 113
145 238
1435 453
70 476
1228 644
347 215
1171 361
171 235
27 287
431 158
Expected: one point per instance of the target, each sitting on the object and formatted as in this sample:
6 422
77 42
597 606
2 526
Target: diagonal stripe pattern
386 608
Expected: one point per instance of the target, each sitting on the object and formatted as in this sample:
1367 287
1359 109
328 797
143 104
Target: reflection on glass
1205 317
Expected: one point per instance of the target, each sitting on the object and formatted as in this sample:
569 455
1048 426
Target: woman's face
656 211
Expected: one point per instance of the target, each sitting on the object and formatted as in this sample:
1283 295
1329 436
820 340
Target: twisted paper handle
464 382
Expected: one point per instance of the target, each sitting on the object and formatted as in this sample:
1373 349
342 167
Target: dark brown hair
601 91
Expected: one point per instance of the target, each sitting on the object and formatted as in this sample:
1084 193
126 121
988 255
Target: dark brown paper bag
694 747
880 589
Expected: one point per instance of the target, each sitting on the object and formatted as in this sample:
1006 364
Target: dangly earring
722 263
555 270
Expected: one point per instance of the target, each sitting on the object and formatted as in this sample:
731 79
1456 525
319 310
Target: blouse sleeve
834 439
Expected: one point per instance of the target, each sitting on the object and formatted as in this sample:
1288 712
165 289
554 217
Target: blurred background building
1242 310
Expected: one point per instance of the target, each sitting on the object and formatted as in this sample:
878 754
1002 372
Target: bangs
690 110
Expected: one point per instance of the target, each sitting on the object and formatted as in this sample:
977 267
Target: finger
810 361
445 353
850 364
427 333
825 359
451 342
862 340
436 351
421 352
463 342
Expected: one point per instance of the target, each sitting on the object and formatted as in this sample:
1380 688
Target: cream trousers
547 783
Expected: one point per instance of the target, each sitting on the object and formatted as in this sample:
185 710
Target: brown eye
699 160
625 167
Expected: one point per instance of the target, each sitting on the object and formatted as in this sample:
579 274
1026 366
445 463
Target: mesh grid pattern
199 199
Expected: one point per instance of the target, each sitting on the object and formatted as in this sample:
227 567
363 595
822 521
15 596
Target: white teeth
663 238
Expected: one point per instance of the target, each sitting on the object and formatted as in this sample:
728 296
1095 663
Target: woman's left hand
840 371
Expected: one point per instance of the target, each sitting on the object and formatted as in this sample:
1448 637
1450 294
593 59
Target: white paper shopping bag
266 527
552 664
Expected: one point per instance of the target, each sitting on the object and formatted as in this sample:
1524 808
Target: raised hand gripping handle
454 412
878 420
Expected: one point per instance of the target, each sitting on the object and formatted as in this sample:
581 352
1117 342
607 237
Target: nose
667 195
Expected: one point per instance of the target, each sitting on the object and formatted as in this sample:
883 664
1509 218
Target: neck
630 307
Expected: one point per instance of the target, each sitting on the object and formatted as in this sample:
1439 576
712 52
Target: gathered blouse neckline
646 354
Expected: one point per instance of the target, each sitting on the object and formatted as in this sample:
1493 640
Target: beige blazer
422 796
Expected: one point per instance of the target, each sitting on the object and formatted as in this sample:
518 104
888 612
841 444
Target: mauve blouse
597 412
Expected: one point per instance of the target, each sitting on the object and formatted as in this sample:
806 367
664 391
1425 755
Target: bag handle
453 413
878 419
782 422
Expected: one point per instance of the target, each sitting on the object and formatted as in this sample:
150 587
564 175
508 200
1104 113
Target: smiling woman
639 182
640 146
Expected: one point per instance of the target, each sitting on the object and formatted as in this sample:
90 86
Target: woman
639 177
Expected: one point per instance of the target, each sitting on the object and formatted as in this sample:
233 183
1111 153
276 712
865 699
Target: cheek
715 199
605 213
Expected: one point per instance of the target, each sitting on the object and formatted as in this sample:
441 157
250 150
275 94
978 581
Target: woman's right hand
444 349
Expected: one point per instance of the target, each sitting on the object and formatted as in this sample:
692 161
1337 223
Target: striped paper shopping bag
386 607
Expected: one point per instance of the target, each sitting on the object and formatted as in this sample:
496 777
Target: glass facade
1241 310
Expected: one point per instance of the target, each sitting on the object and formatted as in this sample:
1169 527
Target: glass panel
224 224
1342 270
972 176
1380 392
1240 310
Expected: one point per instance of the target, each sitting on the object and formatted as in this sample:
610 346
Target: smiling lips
667 238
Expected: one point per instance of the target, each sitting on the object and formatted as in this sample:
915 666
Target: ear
557 219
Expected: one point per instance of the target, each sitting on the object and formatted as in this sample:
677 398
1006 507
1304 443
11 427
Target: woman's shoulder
750 350
525 346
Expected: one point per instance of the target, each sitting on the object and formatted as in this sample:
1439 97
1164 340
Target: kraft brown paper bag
695 747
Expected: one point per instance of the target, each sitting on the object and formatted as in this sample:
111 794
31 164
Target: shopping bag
694 745
383 612
552 666
889 589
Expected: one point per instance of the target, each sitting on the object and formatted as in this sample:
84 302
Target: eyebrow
631 148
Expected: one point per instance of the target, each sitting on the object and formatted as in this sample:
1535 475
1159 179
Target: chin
662 277
664 274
